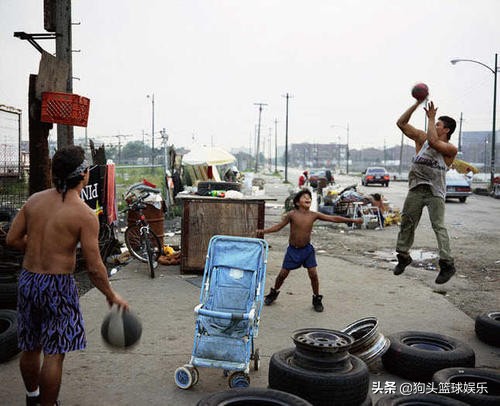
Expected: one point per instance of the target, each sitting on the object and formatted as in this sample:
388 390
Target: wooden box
204 217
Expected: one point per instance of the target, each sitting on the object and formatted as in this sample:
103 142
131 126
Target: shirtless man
300 251
427 184
48 228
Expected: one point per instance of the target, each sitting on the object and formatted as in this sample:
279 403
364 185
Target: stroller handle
224 315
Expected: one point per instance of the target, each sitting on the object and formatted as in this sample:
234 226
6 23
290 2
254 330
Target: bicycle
140 240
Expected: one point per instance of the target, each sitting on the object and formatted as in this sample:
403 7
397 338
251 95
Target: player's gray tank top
429 168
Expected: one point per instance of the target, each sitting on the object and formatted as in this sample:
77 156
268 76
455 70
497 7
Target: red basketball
420 91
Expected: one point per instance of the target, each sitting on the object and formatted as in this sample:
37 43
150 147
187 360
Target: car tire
8 334
462 199
252 396
417 355
348 388
467 376
418 399
8 294
487 327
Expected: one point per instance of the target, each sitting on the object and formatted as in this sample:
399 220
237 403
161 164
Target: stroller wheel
184 377
256 360
195 374
239 380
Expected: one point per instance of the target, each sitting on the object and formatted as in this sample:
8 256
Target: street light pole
258 136
493 131
347 144
287 96
276 145
152 128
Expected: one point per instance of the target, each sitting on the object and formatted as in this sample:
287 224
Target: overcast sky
344 62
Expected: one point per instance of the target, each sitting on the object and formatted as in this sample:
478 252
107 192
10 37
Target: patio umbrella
203 155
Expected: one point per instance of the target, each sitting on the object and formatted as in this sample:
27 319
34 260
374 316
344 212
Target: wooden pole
39 178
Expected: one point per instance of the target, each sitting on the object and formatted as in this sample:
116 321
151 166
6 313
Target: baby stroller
227 318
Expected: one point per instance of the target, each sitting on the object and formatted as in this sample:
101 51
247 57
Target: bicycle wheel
137 248
150 254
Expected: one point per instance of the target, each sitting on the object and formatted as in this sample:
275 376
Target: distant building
476 148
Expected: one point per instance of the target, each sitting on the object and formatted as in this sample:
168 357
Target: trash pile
170 256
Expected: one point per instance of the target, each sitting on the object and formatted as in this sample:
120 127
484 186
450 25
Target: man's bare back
53 229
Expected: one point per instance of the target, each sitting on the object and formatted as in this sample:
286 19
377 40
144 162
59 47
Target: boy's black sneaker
271 297
403 261
446 272
32 400
318 306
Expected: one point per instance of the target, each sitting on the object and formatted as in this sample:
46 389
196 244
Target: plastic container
65 108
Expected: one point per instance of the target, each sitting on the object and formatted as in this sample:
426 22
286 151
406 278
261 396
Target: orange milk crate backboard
65 108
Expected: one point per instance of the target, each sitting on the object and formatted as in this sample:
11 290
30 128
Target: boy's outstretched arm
276 227
338 219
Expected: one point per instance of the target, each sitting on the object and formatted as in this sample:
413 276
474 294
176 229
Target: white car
457 186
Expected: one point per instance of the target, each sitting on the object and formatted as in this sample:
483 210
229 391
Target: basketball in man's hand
121 328
420 91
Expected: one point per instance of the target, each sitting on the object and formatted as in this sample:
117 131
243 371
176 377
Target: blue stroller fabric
230 302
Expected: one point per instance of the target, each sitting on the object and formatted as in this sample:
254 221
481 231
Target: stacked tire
8 334
252 396
9 269
8 285
417 355
487 327
480 386
320 369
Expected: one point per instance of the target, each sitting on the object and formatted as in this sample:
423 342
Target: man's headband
80 168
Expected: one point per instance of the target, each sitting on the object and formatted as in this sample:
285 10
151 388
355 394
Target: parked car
322 176
375 174
457 186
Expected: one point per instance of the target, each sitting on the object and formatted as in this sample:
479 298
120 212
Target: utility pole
64 52
347 150
164 139
269 148
401 155
258 135
385 154
287 96
152 96
276 145
166 164
460 135
119 136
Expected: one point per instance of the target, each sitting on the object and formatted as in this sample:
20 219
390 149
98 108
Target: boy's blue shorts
49 315
297 257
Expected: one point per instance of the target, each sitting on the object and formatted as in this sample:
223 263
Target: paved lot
144 374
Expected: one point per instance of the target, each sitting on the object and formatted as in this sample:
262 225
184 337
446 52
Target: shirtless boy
48 228
300 251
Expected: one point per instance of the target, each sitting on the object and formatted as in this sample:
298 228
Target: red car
375 175
320 176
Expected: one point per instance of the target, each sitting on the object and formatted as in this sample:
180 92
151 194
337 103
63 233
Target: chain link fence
13 168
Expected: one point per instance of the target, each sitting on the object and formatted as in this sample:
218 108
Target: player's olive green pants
418 198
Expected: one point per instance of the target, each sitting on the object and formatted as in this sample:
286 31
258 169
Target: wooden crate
204 217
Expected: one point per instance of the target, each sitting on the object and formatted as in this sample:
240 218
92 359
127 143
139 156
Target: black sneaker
271 297
446 272
32 400
403 261
318 306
